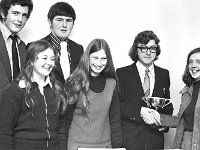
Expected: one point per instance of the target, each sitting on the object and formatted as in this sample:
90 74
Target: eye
198 61
15 13
190 62
25 16
53 59
58 19
153 48
69 20
104 59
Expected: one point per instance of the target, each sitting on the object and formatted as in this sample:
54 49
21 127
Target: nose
20 17
64 23
50 62
148 51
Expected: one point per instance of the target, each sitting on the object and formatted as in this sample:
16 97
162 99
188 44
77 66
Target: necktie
64 59
146 84
16 69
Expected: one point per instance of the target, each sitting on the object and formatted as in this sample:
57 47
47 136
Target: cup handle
169 102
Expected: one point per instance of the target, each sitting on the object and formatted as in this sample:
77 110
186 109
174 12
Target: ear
3 15
50 24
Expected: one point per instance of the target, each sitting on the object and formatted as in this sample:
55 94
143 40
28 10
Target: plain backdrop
175 22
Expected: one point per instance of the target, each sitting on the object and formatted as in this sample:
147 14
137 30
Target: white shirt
141 69
8 42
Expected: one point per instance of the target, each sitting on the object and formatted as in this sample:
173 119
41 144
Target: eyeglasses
152 49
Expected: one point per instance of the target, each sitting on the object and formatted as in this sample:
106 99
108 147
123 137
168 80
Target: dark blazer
5 68
136 134
75 52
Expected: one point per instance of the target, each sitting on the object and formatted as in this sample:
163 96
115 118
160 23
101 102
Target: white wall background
176 23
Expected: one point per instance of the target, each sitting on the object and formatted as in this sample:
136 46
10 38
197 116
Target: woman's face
98 61
44 63
194 66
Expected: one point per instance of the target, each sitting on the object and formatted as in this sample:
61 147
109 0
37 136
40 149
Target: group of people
55 95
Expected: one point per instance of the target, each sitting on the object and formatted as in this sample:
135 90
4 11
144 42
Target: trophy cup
158 102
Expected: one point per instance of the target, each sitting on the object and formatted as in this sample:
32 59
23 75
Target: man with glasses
137 82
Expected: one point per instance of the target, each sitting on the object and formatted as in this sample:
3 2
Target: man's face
147 53
16 18
61 26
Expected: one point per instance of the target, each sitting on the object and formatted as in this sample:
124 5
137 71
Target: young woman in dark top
187 121
31 106
93 87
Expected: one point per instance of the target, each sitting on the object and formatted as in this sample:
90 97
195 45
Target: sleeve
64 125
10 107
115 121
169 121
168 109
130 109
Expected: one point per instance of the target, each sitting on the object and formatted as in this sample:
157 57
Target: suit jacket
131 92
5 68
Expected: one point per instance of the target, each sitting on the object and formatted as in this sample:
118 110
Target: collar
22 83
6 32
55 40
141 69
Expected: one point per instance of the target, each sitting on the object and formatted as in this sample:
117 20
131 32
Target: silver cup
158 102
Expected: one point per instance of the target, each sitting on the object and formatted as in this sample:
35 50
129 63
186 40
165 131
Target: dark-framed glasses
144 49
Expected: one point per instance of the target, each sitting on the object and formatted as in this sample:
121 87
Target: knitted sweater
21 128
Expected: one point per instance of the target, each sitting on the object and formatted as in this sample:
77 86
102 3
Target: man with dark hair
137 82
14 15
61 18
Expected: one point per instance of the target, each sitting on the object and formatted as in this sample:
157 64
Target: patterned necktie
16 69
146 84
64 59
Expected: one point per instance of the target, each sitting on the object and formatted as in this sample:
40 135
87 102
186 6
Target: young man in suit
61 18
13 17
137 134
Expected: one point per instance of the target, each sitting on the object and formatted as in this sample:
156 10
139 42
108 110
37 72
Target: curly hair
77 85
6 4
144 37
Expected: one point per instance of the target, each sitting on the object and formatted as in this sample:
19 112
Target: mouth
17 25
98 67
194 71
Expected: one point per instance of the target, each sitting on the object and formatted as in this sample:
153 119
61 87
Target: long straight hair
77 85
33 50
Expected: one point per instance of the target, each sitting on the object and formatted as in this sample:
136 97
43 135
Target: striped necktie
146 84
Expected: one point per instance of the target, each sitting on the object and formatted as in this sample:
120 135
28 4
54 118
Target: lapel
158 81
4 57
135 78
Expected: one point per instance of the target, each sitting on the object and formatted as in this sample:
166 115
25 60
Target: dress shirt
8 42
141 69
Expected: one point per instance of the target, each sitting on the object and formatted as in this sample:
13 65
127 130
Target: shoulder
74 44
47 38
160 69
12 90
125 69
